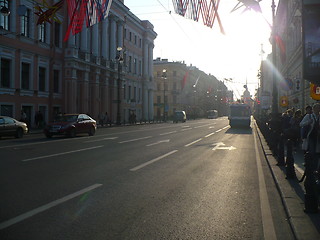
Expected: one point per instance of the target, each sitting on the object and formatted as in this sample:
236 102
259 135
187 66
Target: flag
184 80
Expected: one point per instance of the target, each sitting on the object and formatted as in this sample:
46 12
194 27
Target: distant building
182 87
41 72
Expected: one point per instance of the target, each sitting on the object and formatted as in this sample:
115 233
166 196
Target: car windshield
66 118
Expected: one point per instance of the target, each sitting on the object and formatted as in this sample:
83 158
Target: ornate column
84 39
95 39
120 33
145 59
113 36
105 43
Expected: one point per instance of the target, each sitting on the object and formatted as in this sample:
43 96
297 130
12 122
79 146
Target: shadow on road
239 131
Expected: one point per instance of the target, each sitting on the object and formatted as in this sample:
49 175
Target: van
179 116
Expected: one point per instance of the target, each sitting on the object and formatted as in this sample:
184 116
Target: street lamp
274 81
119 59
4 10
164 76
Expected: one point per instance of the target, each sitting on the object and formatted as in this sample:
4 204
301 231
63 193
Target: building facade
182 87
288 60
41 72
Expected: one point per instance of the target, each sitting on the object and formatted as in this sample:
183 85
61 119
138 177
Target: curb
291 193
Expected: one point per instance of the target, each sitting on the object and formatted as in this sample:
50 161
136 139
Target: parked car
12 127
179 116
71 125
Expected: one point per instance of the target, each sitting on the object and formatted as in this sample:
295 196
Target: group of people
304 129
104 119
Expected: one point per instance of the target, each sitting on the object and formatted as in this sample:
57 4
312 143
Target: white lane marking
136 139
189 144
210 134
152 161
103 139
185 129
203 125
162 141
167 133
44 142
59 154
267 221
219 130
43 208
225 127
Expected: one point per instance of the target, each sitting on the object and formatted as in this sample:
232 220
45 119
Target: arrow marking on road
162 141
219 144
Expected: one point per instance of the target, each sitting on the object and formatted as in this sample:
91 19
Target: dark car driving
71 125
12 127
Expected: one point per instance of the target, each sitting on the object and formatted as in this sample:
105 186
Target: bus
212 114
240 115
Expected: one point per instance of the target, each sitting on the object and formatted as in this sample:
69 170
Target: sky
235 54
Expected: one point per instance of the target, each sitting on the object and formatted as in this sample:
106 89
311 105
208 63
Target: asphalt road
194 180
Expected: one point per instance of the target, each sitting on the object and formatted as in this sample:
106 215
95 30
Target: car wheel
48 135
72 133
19 133
92 131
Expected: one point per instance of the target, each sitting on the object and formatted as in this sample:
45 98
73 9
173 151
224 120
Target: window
6 110
25 24
129 92
42 32
4 20
158 74
158 99
5 73
130 63
174 73
42 79
159 86
56 82
140 42
135 40
124 92
135 93
135 66
140 68
130 36
25 76
174 86
139 96
57 34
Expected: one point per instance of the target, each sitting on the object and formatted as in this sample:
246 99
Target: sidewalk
305 226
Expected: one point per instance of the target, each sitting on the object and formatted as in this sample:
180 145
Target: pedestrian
101 119
294 130
311 141
107 119
38 119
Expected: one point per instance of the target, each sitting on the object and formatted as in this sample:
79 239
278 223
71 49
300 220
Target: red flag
282 47
184 80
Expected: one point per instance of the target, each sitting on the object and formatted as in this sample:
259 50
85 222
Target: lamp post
119 61
274 81
164 76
